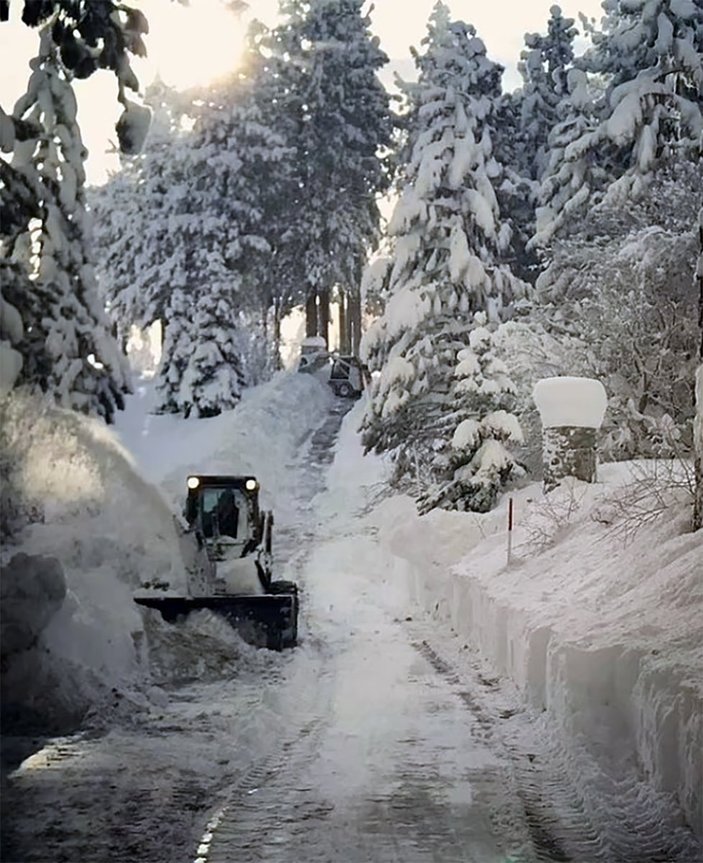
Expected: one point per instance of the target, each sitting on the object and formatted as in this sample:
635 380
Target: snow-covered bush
656 487
620 295
550 518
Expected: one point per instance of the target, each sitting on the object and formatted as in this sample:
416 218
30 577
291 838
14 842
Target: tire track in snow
283 815
230 827
562 825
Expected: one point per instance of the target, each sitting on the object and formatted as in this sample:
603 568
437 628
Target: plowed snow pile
72 492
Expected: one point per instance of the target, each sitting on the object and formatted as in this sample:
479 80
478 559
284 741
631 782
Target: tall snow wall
602 629
71 495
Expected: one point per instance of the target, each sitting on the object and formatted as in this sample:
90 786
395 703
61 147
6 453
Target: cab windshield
224 512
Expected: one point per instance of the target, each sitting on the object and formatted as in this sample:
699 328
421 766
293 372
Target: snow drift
75 497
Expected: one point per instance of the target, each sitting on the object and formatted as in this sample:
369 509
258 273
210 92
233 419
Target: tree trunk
355 320
265 321
698 422
343 332
311 314
164 324
324 316
347 322
277 335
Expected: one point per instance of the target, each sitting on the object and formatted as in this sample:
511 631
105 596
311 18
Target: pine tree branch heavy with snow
645 107
67 349
447 237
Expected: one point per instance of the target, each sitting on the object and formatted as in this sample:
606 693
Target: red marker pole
510 529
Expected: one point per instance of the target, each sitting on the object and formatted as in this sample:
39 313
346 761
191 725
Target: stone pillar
572 411
568 451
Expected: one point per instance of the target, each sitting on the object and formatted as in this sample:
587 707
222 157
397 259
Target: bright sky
195 44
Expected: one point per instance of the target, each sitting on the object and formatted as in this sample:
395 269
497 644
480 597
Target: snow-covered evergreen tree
133 211
256 124
572 172
185 237
447 236
544 64
177 348
67 350
648 60
327 65
525 120
44 263
475 463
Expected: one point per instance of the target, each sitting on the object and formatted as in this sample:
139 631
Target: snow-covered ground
597 620
442 705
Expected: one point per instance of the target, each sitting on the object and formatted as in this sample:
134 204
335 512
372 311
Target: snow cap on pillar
570 401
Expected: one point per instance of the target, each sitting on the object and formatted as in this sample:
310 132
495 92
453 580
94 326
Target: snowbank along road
378 739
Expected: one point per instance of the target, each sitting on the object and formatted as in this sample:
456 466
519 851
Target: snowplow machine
229 543
346 375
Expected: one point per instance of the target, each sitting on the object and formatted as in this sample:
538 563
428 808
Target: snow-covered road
381 760
379 739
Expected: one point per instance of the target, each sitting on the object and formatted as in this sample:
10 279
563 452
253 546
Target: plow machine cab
224 518
224 514
314 355
348 376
